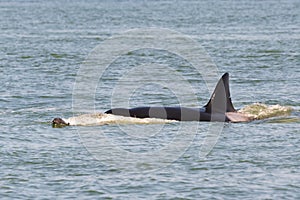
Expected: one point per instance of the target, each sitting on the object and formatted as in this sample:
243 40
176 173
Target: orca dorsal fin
220 100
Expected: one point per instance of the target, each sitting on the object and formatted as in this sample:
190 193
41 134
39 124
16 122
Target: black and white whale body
219 108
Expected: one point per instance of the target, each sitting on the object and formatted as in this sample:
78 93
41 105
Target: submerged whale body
219 108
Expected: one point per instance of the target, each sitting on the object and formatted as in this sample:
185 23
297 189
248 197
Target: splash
102 119
263 111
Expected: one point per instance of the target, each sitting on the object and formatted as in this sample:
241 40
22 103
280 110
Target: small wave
263 111
102 119
285 120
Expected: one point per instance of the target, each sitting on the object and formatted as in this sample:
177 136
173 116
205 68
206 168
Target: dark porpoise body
59 122
219 108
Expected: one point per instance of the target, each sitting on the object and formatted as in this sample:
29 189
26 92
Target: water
42 47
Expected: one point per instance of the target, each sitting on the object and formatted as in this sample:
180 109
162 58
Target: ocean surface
48 70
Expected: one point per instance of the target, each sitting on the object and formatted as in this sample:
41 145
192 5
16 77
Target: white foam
263 111
102 119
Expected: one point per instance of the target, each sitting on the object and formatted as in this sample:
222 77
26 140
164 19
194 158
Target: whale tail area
220 101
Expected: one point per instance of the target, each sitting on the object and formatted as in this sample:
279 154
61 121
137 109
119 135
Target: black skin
58 123
171 113
215 110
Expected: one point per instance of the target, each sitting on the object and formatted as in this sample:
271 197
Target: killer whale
219 108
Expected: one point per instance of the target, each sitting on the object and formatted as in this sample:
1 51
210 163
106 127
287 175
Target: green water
42 47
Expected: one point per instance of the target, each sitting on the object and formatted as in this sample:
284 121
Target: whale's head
58 123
